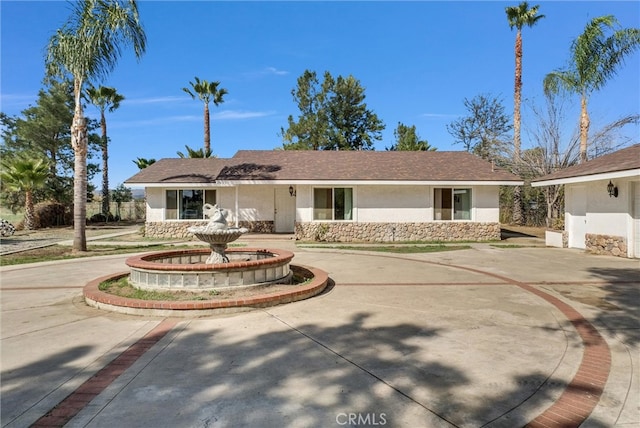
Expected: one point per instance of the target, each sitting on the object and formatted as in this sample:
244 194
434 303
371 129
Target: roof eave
589 177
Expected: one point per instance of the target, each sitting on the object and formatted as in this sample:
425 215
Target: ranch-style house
341 196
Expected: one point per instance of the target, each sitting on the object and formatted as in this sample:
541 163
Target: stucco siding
598 222
607 215
256 203
155 203
394 204
487 204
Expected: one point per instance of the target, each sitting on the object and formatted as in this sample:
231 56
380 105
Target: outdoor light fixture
612 190
292 191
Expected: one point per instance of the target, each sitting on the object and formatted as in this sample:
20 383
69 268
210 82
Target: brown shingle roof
180 171
621 160
326 165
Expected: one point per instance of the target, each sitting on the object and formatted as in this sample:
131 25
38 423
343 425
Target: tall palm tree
104 98
206 92
518 17
25 174
87 48
595 58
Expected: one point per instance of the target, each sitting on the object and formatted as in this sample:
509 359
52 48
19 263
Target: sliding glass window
187 204
333 203
452 204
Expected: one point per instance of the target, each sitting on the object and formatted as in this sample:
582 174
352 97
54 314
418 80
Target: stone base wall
258 226
390 232
606 244
178 229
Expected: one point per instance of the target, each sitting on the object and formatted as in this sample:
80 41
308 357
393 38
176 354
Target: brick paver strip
78 399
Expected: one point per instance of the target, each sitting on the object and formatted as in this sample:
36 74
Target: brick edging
94 297
64 411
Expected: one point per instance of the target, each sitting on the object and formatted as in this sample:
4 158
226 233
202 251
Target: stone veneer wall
606 244
178 229
389 232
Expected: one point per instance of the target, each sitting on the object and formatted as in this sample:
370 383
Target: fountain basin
186 270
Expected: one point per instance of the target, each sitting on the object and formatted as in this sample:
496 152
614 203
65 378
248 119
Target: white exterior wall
392 204
607 215
255 203
486 203
604 215
372 204
403 204
155 203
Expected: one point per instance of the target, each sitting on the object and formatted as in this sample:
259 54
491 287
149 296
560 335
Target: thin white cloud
155 121
17 101
156 100
166 120
273 70
267 71
237 114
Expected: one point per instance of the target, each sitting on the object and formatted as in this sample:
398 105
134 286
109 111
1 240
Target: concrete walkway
496 337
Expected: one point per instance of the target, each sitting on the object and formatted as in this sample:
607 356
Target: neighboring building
331 195
602 203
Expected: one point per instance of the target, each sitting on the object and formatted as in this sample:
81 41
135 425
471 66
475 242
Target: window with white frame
452 204
335 203
186 204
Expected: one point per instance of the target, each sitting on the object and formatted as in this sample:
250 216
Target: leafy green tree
44 128
105 98
119 195
485 131
25 174
87 48
407 139
142 163
333 115
518 17
206 92
191 153
596 56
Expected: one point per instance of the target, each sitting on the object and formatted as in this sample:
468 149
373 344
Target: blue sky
418 61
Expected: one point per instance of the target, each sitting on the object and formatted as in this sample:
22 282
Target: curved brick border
583 393
101 300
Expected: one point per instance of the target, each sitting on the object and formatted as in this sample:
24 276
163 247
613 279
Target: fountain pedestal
217 234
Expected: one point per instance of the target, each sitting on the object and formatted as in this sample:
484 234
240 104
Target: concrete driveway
496 337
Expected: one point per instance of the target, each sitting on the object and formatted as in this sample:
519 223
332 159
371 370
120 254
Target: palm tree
142 163
595 58
519 17
87 48
191 153
206 92
104 98
25 174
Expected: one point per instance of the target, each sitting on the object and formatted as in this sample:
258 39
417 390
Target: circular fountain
201 270
210 270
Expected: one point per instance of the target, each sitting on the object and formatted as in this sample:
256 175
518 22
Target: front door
285 210
578 226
